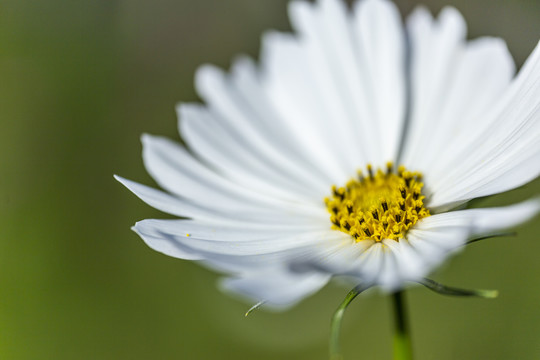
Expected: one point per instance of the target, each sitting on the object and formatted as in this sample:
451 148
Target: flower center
378 206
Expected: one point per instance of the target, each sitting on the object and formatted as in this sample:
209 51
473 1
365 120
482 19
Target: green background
80 81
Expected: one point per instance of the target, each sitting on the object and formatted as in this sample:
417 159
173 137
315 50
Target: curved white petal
380 44
290 88
158 199
480 221
247 81
334 83
235 118
317 29
240 160
504 152
436 46
370 264
233 249
480 74
160 244
435 238
390 276
239 216
409 263
225 231
212 238
176 170
278 288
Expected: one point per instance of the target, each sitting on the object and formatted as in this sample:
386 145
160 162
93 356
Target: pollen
379 204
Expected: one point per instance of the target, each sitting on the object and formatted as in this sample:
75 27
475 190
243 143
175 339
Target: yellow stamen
383 205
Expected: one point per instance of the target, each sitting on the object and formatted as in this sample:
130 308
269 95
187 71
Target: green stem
402 340
335 326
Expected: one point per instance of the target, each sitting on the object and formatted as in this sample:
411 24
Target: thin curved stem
402 340
335 326
491 236
447 290
254 307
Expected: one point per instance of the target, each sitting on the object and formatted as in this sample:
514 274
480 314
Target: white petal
434 244
435 49
158 199
176 170
502 154
480 221
317 29
411 265
215 238
358 64
436 237
241 216
211 230
245 79
363 260
239 120
390 277
233 249
380 45
370 264
291 89
278 288
323 82
239 160
481 73
163 245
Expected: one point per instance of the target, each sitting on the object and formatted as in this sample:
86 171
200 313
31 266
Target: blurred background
80 82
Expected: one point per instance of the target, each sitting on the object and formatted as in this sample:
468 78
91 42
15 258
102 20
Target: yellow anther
375 213
384 204
366 231
403 192
389 167
370 171
349 205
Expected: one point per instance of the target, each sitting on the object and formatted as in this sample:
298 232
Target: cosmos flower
351 150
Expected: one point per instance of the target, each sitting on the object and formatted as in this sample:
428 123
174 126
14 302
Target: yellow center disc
378 206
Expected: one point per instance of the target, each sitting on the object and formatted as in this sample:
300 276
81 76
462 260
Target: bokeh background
80 81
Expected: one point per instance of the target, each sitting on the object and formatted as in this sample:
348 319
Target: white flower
351 88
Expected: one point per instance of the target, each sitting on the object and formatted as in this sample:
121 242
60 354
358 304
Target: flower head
346 152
